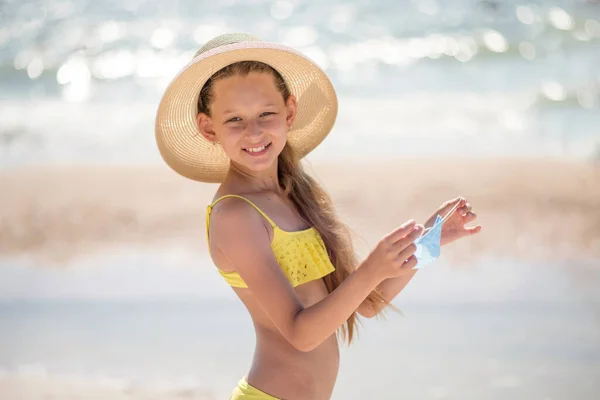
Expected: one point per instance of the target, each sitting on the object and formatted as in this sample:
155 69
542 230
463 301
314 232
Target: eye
234 119
267 113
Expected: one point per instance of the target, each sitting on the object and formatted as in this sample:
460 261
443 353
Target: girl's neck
265 181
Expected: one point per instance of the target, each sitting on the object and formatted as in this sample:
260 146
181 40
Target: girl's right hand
394 254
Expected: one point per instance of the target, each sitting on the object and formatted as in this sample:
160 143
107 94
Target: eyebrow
234 111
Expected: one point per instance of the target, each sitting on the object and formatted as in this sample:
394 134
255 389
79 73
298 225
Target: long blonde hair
309 197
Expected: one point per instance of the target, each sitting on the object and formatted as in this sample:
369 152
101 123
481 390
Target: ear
205 127
291 107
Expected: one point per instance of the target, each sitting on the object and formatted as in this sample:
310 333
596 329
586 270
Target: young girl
243 113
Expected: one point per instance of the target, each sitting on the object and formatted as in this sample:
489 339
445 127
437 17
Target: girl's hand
454 228
393 255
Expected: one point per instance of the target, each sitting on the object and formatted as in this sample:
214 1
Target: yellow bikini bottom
244 391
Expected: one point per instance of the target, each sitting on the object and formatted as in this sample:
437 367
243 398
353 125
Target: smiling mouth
257 150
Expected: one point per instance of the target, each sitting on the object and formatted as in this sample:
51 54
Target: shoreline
530 208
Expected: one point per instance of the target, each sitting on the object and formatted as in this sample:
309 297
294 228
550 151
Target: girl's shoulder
233 209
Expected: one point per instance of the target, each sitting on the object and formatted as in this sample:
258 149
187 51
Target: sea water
80 81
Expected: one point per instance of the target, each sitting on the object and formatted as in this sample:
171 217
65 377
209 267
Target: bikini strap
209 209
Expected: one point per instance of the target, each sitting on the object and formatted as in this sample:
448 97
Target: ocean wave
72 133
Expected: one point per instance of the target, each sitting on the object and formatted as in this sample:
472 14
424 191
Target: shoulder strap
269 220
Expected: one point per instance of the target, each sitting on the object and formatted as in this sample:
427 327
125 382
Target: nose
253 130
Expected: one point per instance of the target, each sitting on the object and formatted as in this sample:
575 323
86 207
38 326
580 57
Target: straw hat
181 144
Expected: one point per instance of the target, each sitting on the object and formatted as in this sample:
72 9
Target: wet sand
501 330
38 388
529 209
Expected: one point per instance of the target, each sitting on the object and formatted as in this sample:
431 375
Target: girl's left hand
454 228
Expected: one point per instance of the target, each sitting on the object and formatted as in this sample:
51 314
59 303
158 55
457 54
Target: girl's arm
239 234
389 289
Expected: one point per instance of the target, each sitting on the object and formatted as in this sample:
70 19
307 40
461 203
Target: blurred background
106 289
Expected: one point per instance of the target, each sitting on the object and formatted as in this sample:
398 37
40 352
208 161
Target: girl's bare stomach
283 371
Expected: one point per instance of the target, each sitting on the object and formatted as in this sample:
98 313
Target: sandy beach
532 211
529 209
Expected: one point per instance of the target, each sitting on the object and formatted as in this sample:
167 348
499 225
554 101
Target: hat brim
184 148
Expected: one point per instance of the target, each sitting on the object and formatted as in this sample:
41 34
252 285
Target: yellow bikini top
301 255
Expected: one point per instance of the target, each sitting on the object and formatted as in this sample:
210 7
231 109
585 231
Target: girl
243 113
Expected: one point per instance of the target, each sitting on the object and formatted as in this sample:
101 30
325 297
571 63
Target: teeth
256 149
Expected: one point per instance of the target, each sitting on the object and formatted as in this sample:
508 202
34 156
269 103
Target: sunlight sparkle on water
300 36
35 68
586 98
495 41
76 77
554 91
525 15
113 65
162 38
560 19
450 46
467 48
109 32
527 50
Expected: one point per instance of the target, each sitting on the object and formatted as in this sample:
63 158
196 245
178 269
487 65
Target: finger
406 247
465 209
410 263
447 206
471 216
405 241
401 231
473 230
450 207
465 212
453 201
407 252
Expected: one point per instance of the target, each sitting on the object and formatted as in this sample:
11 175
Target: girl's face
250 119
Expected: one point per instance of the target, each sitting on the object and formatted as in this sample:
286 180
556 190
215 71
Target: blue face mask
428 245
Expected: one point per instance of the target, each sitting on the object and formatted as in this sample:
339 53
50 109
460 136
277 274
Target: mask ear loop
448 215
